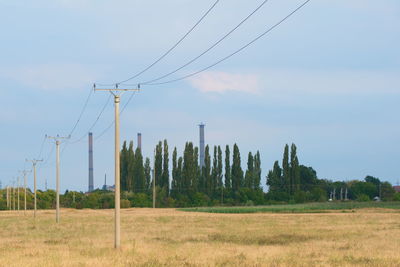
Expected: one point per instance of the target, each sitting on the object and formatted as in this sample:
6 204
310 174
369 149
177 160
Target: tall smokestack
201 126
139 141
91 187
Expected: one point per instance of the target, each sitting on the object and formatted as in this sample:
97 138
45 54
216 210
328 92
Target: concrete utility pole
24 173
7 196
34 162
18 193
116 92
13 195
58 142
154 181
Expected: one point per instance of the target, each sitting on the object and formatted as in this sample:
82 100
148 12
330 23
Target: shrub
362 198
125 204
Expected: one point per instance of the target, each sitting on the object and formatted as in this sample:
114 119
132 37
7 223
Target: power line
173 47
82 111
235 52
210 48
112 123
94 123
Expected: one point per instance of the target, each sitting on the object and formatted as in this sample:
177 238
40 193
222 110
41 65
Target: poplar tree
214 172
158 164
248 179
207 171
124 166
131 167
174 185
286 170
274 179
257 171
165 171
188 167
179 175
237 172
139 184
294 169
219 168
147 173
228 174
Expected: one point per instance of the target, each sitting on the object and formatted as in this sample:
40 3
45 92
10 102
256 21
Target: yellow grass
166 237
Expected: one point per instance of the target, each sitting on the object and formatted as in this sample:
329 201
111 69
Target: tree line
221 181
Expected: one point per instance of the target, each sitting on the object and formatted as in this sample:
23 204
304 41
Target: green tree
257 171
248 179
286 169
219 168
131 168
294 170
124 166
214 172
274 179
206 172
165 171
158 164
147 173
237 172
228 174
139 173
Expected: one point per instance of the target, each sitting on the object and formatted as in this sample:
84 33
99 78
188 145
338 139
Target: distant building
397 188
107 187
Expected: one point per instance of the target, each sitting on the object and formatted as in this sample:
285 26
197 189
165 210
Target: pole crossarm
116 90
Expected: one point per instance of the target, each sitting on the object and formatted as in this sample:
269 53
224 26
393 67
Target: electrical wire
112 123
41 147
94 123
173 47
82 111
210 48
235 52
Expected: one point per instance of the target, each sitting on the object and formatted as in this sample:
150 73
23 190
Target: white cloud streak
223 82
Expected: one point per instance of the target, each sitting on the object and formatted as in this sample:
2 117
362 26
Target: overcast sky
327 80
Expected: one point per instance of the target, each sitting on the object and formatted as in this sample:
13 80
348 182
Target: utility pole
154 181
24 173
18 193
345 195
117 92
34 162
7 196
58 142
13 195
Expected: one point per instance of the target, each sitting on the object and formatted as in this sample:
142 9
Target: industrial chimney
139 141
91 187
201 126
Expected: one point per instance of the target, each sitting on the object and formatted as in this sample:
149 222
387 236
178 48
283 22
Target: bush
125 204
363 198
396 197
300 197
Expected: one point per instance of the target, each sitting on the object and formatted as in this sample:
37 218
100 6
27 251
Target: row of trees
217 180
299 183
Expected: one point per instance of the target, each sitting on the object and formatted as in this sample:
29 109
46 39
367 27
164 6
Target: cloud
50 76
223 82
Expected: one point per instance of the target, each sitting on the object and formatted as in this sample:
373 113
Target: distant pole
154 181
7 197
13 195
380 191
18 193
58 142
116 92
24 173
345 194
34 162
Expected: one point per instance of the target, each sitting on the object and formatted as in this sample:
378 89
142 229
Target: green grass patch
299 208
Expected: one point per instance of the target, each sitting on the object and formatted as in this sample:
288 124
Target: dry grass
166 237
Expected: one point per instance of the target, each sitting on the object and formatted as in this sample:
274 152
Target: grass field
322 207
169 237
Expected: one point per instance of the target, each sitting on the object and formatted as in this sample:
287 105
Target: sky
327 79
